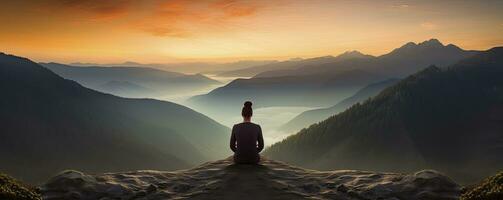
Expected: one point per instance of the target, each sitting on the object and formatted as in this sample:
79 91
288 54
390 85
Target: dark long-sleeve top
246 139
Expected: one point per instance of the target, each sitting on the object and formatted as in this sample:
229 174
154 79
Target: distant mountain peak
425 46
354 52
351 54
199 75
431 42
408 44
427 43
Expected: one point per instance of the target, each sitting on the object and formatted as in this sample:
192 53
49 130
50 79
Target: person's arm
233 139
260 140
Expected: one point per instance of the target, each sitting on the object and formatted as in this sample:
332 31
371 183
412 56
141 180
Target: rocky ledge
269 180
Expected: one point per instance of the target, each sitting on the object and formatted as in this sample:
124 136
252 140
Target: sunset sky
163 31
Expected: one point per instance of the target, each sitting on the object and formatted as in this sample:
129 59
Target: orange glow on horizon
160 31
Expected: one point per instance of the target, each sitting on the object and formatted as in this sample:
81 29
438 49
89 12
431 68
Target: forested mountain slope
309 117
50 124
446 119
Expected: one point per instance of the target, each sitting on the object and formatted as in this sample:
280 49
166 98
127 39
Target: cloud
428 26
161 18
171 18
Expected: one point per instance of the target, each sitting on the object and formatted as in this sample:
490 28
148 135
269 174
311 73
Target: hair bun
248 104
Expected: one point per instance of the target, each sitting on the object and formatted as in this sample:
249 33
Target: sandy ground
269 180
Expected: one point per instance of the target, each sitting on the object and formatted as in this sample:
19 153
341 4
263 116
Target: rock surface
270 180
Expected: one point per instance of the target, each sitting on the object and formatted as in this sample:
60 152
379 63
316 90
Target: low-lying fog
270 118
182 97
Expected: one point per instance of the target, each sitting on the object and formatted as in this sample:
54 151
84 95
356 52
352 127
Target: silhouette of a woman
246 138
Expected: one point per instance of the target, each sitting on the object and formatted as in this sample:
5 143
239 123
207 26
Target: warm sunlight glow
251 99
221 30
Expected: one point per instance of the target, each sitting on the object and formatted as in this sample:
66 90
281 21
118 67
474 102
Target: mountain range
449 119
291 64
131 81
327 80
400 62
187 67
50 124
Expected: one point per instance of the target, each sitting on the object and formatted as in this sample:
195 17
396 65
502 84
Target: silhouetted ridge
309 117
278 66
156 82
431 42
446 119
55 124
435 43
324 81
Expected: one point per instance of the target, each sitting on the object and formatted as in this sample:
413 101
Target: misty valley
423 121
